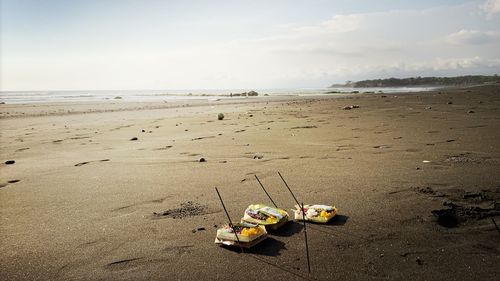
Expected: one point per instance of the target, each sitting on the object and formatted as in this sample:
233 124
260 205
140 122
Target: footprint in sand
163 148
9 182
128 209
304 127
200 138
122 264
87 162
382 146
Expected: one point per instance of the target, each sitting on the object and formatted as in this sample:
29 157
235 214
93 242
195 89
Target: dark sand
79 201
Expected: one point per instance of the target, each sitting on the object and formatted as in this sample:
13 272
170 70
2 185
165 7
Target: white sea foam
30 97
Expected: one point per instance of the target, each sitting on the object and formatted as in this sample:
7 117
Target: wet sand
414 176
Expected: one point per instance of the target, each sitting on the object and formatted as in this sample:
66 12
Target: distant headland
422 81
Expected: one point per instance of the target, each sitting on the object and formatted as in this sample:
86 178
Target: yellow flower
324 214
250 231
271 219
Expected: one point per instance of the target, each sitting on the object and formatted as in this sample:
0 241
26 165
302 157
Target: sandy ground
78 202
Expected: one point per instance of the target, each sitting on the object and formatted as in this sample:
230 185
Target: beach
116 190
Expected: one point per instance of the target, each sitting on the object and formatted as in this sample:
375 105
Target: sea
35 97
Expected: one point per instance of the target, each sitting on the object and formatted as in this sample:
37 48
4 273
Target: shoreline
40 97
84 107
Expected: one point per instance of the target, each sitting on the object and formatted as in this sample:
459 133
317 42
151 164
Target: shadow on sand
268 247
303 276
338 220
289 229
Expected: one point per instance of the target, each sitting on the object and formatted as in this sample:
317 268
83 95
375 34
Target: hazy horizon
162 45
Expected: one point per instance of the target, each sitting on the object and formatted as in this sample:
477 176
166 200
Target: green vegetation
424 81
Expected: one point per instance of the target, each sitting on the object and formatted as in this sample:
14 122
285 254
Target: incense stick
303 219
266 191
305 236
229 218
289 189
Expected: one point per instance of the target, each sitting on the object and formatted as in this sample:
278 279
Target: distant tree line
424 81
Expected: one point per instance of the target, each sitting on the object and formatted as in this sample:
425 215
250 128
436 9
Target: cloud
432 67
349 35
344 71
289 52
443 65
439 64
338 24
491 7
472 37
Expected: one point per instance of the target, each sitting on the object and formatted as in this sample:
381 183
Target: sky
240 44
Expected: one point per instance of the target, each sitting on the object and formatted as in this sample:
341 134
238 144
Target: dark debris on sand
305 127
349 107
463 205
455 214
463 158
466 205
429 191
187 209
